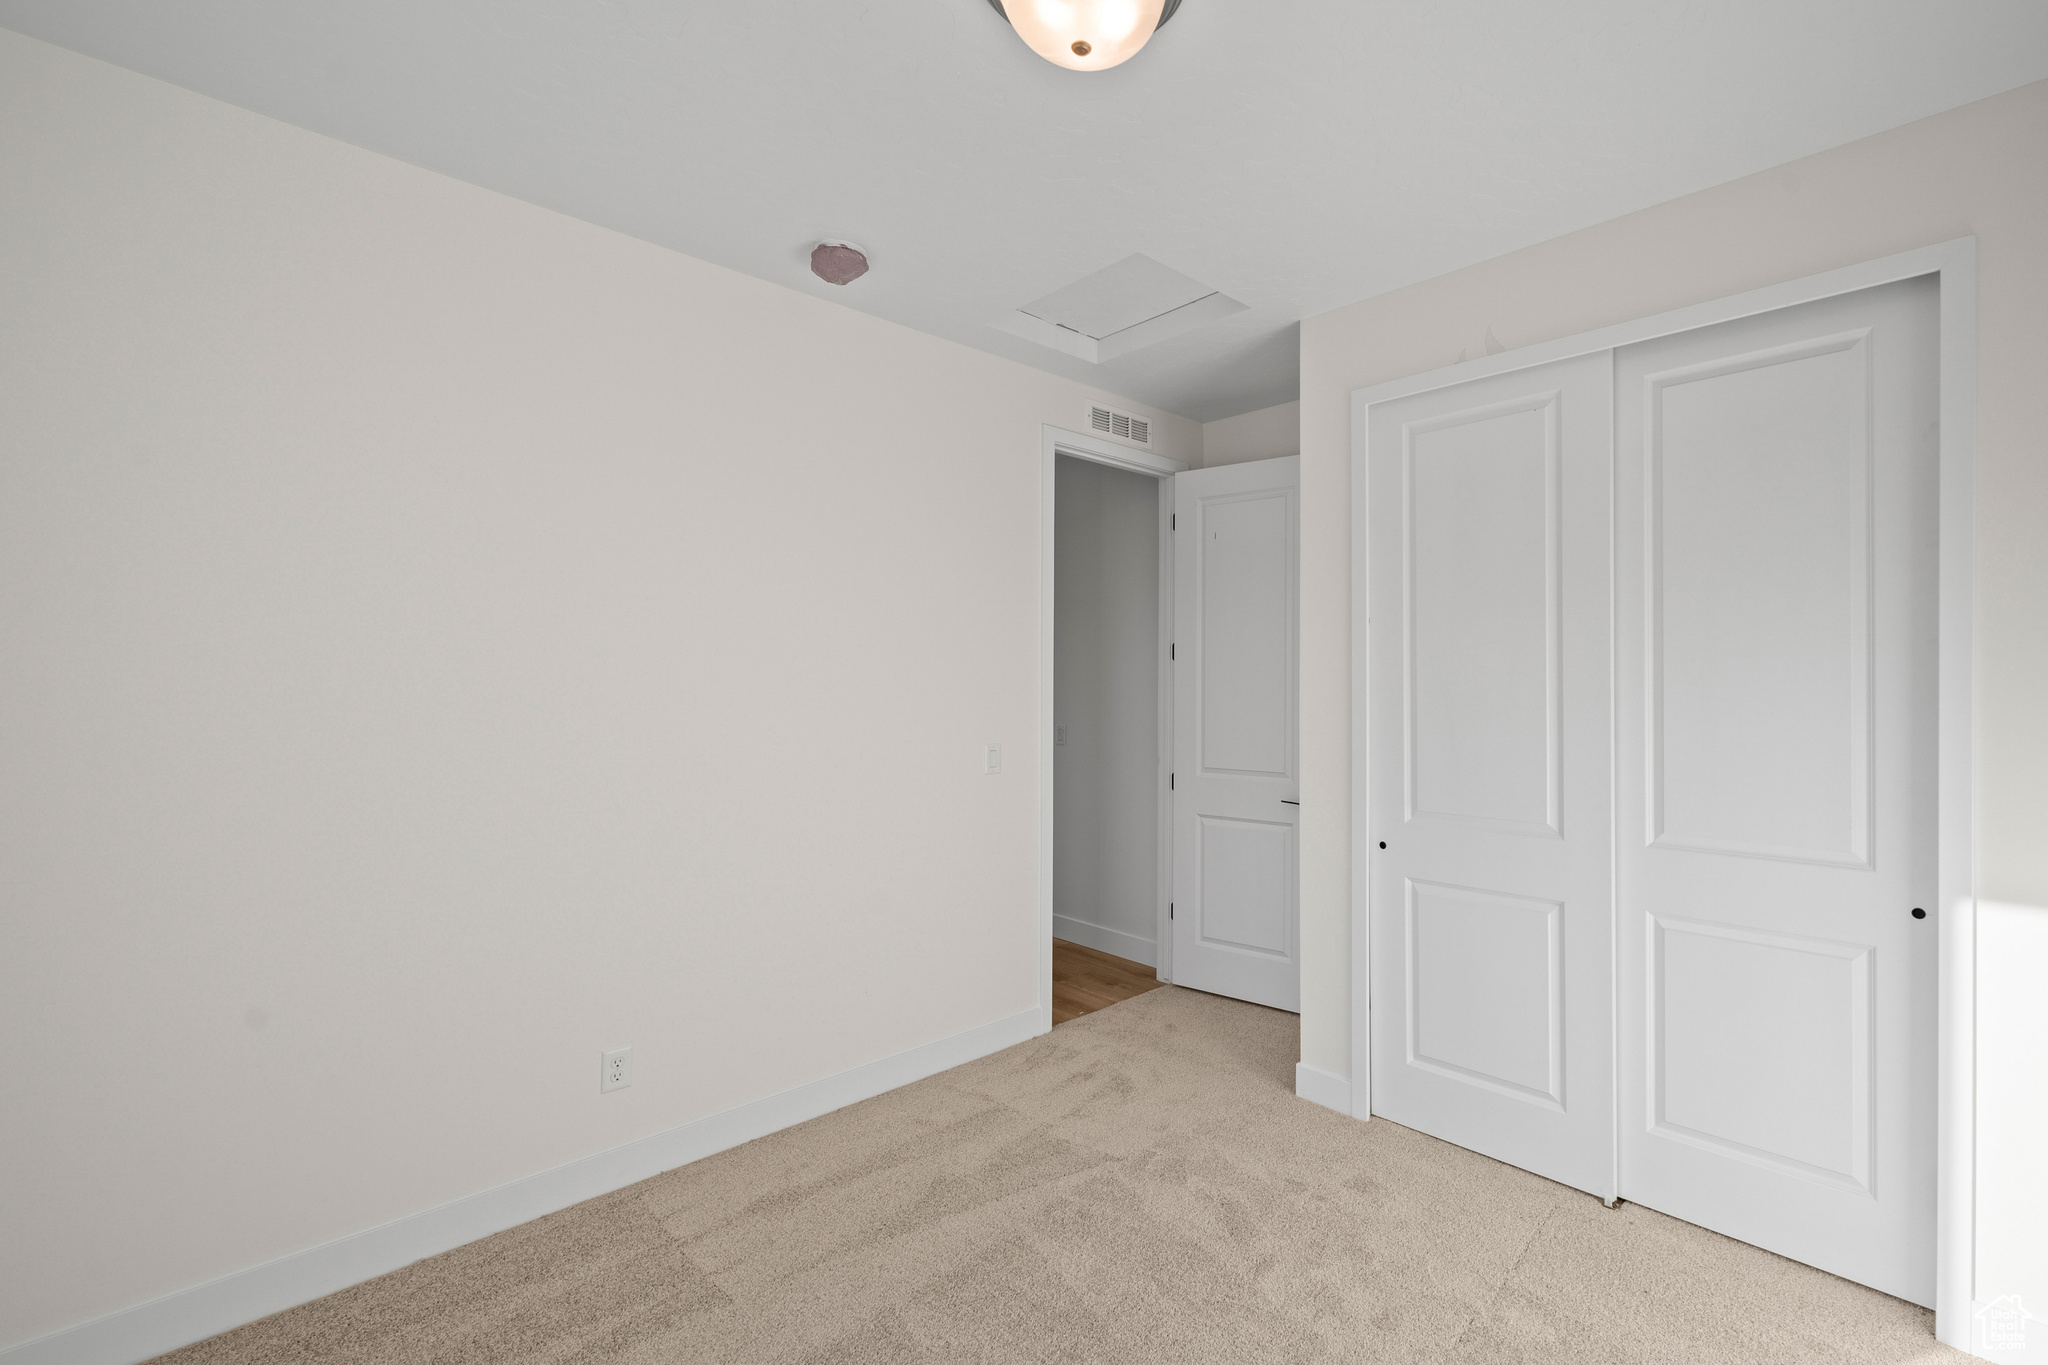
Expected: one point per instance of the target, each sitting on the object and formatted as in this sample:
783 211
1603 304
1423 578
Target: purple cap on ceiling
838 262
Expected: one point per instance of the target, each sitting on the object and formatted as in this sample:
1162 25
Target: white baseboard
1106 940
189 1315
1322 1087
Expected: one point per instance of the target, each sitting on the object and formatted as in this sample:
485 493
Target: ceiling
1294 155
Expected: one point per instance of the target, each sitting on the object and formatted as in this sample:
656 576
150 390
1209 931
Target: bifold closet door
1490 784
1776 632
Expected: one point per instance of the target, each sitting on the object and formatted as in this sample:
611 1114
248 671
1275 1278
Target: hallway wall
1106 684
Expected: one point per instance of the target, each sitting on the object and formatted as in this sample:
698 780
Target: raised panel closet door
1776 693
1488 761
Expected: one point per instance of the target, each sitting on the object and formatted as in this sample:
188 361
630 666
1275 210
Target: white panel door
1235 782
1776 537
1489 781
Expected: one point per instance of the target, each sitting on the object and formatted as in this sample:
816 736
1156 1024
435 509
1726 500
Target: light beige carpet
1139 1185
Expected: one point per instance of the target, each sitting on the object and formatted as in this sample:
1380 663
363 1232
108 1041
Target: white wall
1106 700
1979 170
439 640
1265 434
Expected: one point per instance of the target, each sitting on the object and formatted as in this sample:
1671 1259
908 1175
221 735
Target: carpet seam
1479 1314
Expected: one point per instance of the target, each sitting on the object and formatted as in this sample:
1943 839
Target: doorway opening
1112 727
1168 652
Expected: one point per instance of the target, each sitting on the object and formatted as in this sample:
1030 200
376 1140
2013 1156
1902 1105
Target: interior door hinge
1169 909
1173 521
1171 651
1169 781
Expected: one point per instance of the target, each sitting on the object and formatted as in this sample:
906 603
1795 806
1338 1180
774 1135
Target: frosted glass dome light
1086 35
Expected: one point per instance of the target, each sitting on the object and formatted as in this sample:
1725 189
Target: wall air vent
1120 424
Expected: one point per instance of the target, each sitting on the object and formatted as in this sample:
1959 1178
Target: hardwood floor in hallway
1086 979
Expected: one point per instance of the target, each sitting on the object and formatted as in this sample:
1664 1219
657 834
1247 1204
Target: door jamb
1955 264
1055 442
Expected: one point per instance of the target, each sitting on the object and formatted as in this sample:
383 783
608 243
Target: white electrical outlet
992 759
617 1072
1059 734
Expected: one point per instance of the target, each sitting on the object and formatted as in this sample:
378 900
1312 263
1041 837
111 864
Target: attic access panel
1119 309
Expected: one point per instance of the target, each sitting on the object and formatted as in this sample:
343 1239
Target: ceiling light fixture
1086 35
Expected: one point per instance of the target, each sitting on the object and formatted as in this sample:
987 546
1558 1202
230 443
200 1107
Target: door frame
1955 265
1055 442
